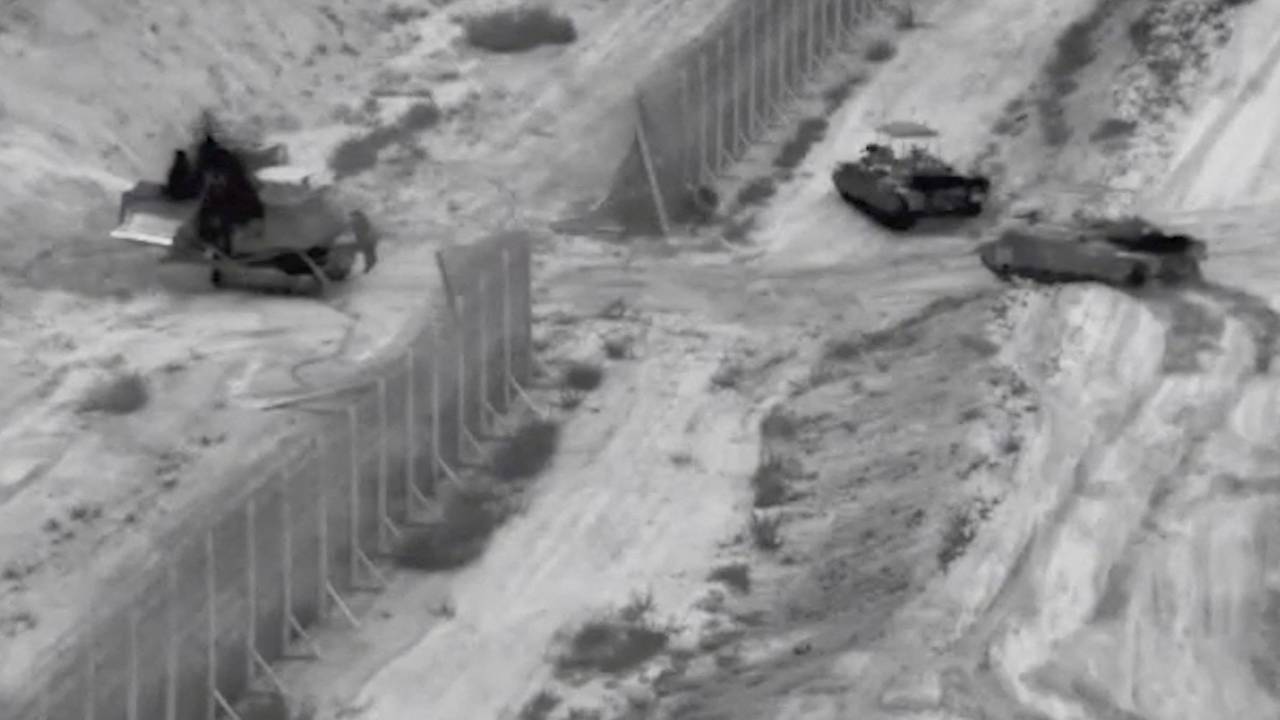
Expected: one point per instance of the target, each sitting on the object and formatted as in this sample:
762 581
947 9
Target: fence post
483 313
173 641
412 493
211 628
385 525
133 664
689 171
508 376
286 565
90 679
251 578
461 386
651 174
735 85
753 74
704 133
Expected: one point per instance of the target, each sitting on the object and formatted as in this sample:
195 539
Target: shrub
769 483
467 522
528 451
360 153
121 395
736 576
516 30
757 191
583 377
615 642
540 706
766 531
795 150
881 50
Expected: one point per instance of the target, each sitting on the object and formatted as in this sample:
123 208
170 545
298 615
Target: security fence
294 545
698 116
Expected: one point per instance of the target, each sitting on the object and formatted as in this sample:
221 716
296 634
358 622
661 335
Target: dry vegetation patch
615 641
520 29
121 395
528 451
358 154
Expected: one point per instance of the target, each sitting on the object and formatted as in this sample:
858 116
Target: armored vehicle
247 210
896 188
1128 253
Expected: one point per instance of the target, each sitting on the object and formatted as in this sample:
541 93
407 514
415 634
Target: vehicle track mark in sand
613 516
1175 191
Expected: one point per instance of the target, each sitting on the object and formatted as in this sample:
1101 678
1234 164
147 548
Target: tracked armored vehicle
898 188
1127 253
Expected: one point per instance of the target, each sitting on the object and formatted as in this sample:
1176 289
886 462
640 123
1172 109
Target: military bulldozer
896 188
246 210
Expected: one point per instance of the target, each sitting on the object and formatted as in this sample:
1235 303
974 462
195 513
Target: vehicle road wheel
1137 276
339 264
901 218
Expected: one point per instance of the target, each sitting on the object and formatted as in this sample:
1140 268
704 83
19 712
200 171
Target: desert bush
728 374
796 149
540 706
956 537
757 191
736 576
769 483
583 377
515 30
615 642
779 423
468 519
528 451
881 50
907 19
619 346
1113 128
766 531
121 395
360 153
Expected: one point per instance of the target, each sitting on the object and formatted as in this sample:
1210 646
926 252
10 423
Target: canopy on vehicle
906 129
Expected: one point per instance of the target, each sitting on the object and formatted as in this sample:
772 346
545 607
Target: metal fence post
704 133
735 85
251 578
211 629
461 385
353 496
133 664
689 128
90 679
412 493
385 526
483 313
173 640
322 555
436 460
753 74
286 564
508 376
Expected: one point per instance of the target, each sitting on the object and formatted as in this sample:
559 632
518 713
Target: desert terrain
832 472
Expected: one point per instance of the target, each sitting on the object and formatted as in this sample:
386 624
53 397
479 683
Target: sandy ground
1012 502
84 497
1026 502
